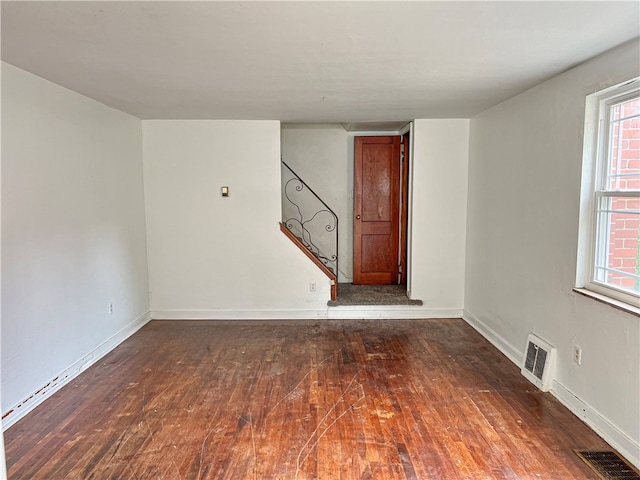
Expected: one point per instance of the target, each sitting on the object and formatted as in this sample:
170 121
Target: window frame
597 161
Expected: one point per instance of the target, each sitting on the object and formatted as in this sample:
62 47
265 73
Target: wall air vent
539 362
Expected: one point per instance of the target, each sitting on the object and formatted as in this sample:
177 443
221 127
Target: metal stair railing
310 219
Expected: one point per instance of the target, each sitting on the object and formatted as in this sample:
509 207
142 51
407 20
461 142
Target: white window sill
609 301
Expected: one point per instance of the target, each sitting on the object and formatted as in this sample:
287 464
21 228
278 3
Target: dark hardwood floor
416 399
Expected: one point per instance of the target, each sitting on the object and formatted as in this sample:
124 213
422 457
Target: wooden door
376 216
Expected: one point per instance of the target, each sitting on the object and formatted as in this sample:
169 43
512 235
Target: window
614 258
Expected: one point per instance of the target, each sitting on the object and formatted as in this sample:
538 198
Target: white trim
333 313
496 340
18 411
612 434
391 312
619 440
625 307
594 187
227 314
410 211
618 193
405 129
613 293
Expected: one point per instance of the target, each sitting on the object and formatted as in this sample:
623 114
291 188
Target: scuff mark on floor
300 461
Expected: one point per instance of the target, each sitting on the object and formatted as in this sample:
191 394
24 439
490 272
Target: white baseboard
595 420
264 314
616 438
27 405
390 311
333 313
496 340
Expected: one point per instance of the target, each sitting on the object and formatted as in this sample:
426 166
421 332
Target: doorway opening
324 155
380 213
380 223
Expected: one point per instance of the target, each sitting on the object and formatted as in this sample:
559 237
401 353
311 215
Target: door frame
408 128
404 210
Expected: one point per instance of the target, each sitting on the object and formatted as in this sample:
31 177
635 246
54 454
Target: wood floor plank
416 399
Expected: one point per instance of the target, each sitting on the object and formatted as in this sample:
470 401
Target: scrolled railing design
310 219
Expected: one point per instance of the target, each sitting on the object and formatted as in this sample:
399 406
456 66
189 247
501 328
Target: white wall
215 257
73 232
524 191
439 212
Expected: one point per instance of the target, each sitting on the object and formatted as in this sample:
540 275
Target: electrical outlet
111 309
577 354
312 286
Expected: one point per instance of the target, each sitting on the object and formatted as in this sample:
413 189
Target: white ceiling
308 61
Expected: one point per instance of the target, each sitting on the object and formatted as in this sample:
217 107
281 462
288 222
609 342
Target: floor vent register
609 465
